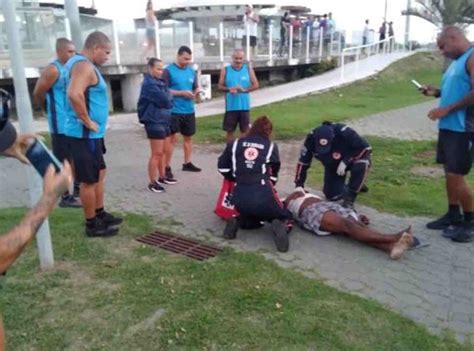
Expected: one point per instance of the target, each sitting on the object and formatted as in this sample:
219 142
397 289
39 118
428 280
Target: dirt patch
428 154
431 172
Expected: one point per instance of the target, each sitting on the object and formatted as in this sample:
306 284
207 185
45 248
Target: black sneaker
109 219
167 181
156 187
464 233
69 201
169 173
364 189
444 221
281 236
100 229
230 230
189 167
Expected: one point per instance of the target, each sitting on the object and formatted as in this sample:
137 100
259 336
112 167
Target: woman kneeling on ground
154 111
253 162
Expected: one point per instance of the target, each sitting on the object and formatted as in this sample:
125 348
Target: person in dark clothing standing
253 162
340 149
154 111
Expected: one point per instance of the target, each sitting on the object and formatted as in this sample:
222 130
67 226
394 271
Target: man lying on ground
325 217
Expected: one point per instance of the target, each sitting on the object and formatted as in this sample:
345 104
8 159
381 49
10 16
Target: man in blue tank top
237 80
182 81
51 88
87 115
455 116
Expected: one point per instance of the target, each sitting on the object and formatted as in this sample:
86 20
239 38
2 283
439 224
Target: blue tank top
181 79
97 102
455 85
233 77
56 100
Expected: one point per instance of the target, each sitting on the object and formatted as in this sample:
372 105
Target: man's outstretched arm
13 243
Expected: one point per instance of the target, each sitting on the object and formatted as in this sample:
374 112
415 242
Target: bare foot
403 244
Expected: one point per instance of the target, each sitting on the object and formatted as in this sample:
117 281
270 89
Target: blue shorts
157 131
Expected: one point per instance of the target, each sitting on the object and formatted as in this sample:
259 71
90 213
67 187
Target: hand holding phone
415 83
40 157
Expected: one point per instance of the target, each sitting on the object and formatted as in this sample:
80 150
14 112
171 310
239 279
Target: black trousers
335 185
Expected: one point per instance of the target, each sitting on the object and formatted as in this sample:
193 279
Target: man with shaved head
51 88
237 80
87 115
455 116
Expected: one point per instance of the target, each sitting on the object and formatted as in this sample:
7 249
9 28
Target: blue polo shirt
233 77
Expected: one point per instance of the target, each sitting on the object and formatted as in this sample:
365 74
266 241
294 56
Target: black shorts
183 123
158 131
232 118
455 151
88 158
253 41
61 148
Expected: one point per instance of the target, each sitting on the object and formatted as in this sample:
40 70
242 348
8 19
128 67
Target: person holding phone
15 241
86 122
455 116
51 88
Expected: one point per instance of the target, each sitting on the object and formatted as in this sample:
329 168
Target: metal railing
384 46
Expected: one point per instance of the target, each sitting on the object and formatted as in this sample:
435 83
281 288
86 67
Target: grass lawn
116 294
404 178
388 90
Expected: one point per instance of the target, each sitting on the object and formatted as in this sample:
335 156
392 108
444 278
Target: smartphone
415 83
40 157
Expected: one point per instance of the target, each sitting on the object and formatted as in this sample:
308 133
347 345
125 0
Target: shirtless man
325 217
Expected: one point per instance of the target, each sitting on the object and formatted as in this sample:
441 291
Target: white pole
247 41
342 64
157 39
116 44
290 43
308 31
25 116
339 44
221 41
357 59
332 39
270 44
67 26
321 35
191 37
72 13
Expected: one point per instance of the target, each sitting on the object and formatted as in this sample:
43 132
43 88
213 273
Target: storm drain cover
181 246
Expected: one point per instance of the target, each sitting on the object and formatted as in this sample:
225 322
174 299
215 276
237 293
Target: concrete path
433 285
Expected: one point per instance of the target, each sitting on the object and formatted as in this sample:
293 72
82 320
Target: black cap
323 137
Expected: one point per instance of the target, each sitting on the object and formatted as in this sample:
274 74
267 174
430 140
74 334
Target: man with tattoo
55 184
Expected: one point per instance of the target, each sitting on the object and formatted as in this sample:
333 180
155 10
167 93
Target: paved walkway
433 285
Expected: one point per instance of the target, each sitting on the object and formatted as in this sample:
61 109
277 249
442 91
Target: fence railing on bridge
213 43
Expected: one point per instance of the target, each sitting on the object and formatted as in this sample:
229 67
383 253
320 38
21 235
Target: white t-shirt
252 20
365 33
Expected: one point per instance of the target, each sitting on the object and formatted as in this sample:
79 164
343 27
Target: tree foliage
443 13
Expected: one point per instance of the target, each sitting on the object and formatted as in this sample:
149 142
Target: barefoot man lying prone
320 216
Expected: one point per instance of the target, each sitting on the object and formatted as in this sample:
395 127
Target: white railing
384 46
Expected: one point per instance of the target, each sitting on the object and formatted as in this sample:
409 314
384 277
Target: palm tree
444 13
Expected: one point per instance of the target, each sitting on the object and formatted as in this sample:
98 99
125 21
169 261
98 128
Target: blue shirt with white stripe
97 103
181 79
56 100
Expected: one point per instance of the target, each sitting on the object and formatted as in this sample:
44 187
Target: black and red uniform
253 162
333 143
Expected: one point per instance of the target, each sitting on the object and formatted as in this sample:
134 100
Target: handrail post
308 31
290 45
221 41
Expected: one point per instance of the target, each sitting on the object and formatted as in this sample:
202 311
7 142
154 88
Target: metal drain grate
191 248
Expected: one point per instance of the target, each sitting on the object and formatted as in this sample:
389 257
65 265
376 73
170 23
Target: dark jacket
347 146
250 160
155 102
